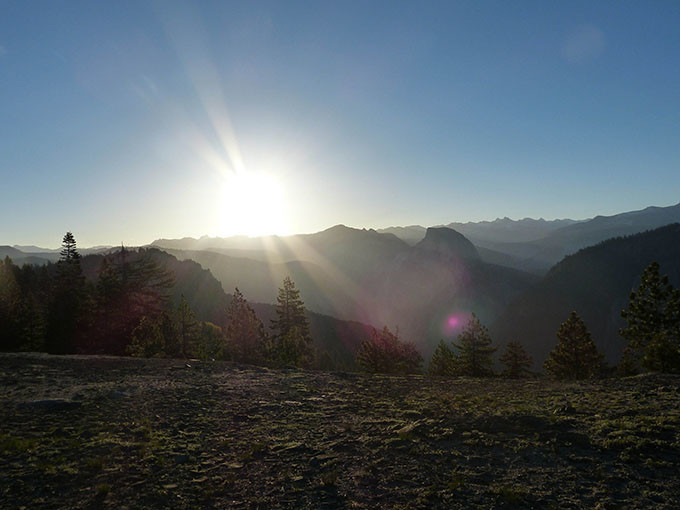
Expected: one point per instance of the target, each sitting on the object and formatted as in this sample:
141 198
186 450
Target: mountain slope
204 293
377 279
596 283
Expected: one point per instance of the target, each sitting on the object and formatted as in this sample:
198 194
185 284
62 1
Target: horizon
140 120
157 238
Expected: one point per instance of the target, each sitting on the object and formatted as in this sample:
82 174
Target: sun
253 204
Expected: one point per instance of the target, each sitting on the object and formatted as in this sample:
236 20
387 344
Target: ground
98 432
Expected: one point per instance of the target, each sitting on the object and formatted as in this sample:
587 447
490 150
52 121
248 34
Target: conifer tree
290 312
653 322
246 338
384 353
443 362
575 356
516 360
10 302
66 309
292 340
187 328
475 349
211 342
147 340
131 285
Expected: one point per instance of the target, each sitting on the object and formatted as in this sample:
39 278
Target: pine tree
69 252
66 310
291 328
475 349
147 340
187 328
131 285
384 353
443 362
246 338
211 342
516 360
653 322
290 312
10 302
575 356
171 340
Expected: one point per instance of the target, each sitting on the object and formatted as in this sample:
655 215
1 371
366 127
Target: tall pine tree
187 328
292 340
246 338
66 311
653 323
475 349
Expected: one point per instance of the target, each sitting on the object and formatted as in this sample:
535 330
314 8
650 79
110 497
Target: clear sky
129 121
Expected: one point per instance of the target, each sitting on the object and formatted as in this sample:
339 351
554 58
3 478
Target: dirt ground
98 432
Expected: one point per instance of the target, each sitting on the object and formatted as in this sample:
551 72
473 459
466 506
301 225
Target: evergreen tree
516 360
291 328
653 322
474 349
385 353
187 328
211 343
292 350
246 338
290 312
131 285
32 312
69 251
66 309
443 362
171 340
10 302
147 340
575 356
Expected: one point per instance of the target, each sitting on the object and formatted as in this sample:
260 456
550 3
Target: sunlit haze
129 121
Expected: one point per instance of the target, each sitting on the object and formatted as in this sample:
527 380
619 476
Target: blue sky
127 121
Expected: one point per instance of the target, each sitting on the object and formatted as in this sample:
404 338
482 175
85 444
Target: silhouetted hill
596 282
447 242
20 258
412 234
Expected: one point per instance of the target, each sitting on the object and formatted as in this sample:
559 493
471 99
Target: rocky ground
111 432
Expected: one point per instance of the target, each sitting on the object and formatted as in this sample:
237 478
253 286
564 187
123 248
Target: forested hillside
596 282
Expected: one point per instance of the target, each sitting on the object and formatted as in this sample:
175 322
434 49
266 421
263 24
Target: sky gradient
127 121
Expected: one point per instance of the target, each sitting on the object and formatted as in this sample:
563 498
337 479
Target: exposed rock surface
160 434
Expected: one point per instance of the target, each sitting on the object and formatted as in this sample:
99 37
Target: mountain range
522 278
536 245
367 276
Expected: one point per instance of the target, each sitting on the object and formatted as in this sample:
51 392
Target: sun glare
253 204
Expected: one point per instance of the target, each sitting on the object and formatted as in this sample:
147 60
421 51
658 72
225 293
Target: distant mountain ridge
536 245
